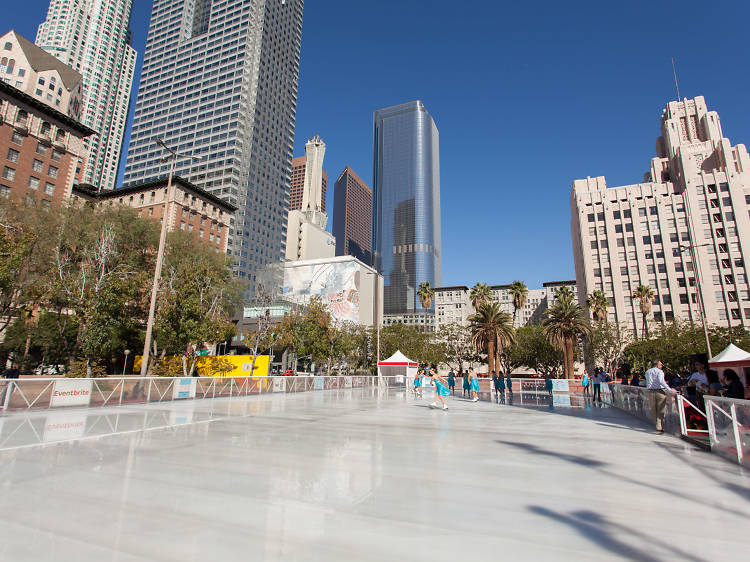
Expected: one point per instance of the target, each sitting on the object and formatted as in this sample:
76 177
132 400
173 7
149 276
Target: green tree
605 345
425 292
197 299
563 324
564 293
537 353
597 303
481 292
519 292
491 331
645 296
456 340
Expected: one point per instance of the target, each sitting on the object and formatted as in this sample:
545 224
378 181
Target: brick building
352 219
41 149
298 184
193 210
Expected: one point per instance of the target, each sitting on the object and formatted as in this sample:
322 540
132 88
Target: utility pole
160 255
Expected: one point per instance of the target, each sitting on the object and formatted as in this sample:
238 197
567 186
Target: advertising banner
318 383
560 385
71 392
337 285
278 384
184 388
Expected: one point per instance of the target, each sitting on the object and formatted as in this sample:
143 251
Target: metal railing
729 427
49 393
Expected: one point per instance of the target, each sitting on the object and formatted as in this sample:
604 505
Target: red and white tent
398 364
732 358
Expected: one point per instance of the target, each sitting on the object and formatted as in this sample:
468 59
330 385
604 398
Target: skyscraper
220 82
306 236
298 183
93 38
352 216
406 220
684 231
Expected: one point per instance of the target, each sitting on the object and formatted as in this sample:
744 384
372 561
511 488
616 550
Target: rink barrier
729 428
54 393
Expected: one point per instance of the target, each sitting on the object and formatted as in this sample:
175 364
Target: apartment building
684 231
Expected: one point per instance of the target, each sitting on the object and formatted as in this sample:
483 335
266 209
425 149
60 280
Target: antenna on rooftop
676 85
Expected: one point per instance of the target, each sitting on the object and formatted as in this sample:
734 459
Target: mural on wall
337 285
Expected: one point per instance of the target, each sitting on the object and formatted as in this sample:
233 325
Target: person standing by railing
657 390
500 386
586 385
598 385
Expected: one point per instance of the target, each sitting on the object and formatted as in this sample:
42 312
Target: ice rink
357 475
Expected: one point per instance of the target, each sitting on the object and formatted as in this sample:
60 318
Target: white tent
398 365
732 358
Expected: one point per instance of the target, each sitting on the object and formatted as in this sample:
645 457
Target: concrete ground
361 475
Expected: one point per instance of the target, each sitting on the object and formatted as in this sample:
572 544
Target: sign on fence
184 388
71 392
278 384
560 385
318 383
63 427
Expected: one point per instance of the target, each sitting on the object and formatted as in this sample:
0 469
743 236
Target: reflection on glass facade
406 221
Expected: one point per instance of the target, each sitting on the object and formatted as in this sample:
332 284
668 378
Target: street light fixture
160 255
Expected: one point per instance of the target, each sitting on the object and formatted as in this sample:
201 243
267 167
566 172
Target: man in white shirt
657 390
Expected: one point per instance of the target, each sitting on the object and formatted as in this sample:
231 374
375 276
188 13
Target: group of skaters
446 386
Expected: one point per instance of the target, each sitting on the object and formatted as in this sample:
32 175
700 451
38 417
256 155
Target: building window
56 155
37 166
16 138
52 172
49 188
9 173
13 155
33 182
41 149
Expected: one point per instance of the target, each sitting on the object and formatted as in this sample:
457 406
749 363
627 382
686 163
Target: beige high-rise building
684 231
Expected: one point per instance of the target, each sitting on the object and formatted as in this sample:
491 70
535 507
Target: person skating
441 389
473 385
418 384
465 384
452 381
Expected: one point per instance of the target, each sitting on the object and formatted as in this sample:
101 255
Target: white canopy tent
732 358
397 365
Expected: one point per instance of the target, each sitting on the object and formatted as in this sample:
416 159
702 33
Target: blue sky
527 98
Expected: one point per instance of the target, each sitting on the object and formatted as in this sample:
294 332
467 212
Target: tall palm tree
565 293
645 296
480 292
491 331
425 292
520 292
562 326
597 303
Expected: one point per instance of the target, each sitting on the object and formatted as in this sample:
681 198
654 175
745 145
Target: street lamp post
125 363
160 254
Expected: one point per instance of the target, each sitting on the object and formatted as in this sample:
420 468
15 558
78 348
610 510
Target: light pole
160 255
699 287
125 363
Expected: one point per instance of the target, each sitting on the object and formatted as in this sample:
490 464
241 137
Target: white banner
71 392
278 384
184 388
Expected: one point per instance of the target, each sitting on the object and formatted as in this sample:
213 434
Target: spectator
735 388
715 388
636 380
548 385
586 385
452 381
657 388
598 385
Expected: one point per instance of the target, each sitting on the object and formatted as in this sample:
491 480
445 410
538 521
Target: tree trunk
645 327
569 358
491 355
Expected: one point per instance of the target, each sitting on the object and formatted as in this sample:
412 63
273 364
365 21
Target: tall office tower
406 211
684 231
306 236
93 37
220 82
298 183
352 216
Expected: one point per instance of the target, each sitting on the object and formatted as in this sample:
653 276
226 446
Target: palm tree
597 303
645 296
565 293
491 331
562 326
480 292
425 292
520 292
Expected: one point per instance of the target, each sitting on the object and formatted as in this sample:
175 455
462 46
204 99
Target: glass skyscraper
406 209
219 82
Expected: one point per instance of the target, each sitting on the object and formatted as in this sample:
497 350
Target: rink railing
49 393
729 427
